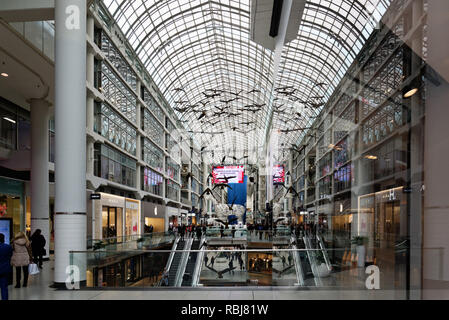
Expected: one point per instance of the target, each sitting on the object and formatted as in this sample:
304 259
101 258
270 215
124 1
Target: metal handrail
183 264
199 262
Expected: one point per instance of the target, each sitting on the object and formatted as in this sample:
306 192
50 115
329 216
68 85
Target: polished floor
39 289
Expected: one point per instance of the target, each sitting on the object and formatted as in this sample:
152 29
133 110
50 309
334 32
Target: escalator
187 278
304 264
175 263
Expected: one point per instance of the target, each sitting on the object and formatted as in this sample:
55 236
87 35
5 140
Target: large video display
228 174
278 173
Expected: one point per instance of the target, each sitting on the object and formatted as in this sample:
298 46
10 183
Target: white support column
39 170
70 134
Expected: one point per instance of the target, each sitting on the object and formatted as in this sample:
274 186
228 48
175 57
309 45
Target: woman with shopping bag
21 257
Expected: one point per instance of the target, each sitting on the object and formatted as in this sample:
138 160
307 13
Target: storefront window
152 181
132 218
114 165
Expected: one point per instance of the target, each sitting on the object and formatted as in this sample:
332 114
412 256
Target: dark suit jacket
5 258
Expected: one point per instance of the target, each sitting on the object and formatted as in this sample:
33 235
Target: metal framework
192 48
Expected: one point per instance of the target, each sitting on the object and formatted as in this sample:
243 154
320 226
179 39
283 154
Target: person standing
212 260
181 232
231 266
38 247
21 258
5 266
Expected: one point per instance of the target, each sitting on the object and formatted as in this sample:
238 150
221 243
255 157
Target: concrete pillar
39 170
70 146
415 199
436 152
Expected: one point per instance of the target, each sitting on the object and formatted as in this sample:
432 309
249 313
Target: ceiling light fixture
8 119
4 74
410 92
370 157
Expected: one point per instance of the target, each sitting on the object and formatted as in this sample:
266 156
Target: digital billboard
278 173
228 174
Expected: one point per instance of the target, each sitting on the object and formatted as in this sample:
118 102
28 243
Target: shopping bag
33 269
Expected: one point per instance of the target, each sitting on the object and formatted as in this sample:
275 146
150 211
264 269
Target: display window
10 207
132 217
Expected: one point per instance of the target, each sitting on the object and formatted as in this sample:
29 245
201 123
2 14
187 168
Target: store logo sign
373 280
72 282
72 22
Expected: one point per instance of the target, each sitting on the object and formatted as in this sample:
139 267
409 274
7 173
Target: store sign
95 196
132 205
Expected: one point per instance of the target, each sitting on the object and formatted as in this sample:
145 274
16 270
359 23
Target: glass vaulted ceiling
192 48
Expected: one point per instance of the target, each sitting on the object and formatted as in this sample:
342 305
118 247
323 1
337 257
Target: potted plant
97 248
322 269
360 249
139 243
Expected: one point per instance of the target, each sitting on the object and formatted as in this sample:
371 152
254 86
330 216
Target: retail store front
109 216
154 215
174 217
115 216
11 207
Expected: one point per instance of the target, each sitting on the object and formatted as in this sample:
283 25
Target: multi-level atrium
228 143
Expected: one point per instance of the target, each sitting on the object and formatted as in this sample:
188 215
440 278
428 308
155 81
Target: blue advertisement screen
5 228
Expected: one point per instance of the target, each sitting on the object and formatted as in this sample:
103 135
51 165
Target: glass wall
172 169
115 91
152 155
152 182
115 128
153 128
114 166
116 58
172 190
152 104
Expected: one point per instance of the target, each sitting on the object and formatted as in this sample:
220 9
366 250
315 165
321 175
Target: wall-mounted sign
95 196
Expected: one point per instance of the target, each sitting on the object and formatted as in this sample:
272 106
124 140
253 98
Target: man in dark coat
38 247
5 266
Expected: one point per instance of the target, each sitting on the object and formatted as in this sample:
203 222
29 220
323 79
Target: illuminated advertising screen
228 174
278 173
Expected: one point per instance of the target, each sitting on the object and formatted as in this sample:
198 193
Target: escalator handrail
298 268
312 261
170 258
183 263
198 264
324 251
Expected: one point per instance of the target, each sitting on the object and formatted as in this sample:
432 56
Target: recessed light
4 74
8 119
371 157
410 93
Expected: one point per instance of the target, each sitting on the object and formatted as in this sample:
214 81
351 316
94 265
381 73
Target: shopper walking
21 258
212 260
5 266
38 247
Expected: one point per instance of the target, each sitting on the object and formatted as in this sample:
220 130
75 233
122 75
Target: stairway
175 263
190 267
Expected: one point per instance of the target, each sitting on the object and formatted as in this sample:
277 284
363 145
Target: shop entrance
111 222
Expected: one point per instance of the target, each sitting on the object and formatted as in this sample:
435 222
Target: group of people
20 254
259 230
258 264
189 231
230 256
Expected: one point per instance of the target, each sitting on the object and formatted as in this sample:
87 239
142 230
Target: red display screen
278 173
228 174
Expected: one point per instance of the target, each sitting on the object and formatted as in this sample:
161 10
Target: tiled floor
39 289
